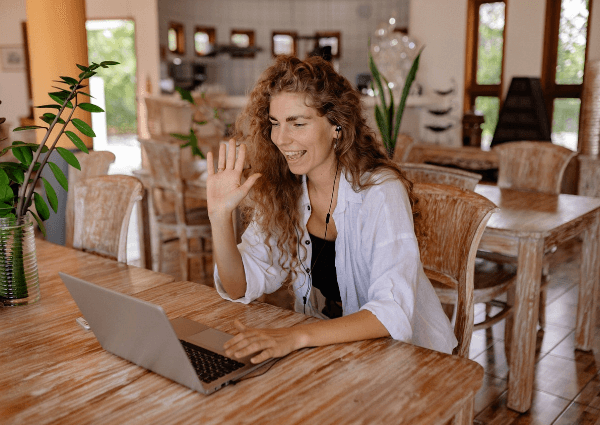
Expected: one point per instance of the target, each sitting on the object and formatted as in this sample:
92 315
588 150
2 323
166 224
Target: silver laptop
182 350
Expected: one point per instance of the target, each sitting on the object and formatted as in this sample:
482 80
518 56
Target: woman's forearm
228 257
354 327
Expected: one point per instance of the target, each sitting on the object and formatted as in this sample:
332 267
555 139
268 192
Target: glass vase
19 282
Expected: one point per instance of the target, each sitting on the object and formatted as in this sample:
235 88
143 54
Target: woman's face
304 138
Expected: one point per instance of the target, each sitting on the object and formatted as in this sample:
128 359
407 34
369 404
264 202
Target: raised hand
224 188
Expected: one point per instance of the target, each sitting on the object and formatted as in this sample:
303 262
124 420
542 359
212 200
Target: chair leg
184 249
508 325
542 306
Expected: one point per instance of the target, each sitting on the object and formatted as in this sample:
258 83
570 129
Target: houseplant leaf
23 154
29 127
69 80
39 222
77 141
90 107
407 84
41 207
69 157
59 175
83 127
48 118
48 106
50 195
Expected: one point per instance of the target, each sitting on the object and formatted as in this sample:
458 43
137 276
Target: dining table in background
528 225
56 372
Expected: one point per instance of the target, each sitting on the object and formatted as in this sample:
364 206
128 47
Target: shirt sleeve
263 276
390 248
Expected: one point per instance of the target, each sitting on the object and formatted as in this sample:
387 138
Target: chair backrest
164 163
102 209
533 166
93 164
449 227
404 144
427 173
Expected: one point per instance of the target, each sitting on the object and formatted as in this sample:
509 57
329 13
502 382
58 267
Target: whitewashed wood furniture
404 144
536 167
55 372
466 157
524 227
101 212
168 179
449 227
427 173
93 164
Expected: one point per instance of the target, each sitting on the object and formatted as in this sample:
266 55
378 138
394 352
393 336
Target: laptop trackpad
212 339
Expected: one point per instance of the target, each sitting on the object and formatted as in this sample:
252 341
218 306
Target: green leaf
29 127
109 63
83 68
6 210
181 136
23 154
15 174
40 206
69 80
48 118
83 127
77 141
18 144
86 75
377 79
39 222
69 157
60 99
4 180
48 106
59 175
86 94
185 95
50 195
90 107
408 82
200 122
383 129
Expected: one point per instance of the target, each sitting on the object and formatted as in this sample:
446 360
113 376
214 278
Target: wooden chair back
449 227
93 164
404 143
532 166
427 173
102 209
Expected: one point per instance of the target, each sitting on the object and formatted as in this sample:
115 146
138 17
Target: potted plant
18 265
389 116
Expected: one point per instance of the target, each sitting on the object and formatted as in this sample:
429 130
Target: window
484 62
332 39
283 43
565 44
176 38
204 40
243 39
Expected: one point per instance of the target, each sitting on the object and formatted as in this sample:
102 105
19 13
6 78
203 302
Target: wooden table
527 225
55 372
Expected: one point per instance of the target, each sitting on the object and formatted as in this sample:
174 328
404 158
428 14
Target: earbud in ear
338 128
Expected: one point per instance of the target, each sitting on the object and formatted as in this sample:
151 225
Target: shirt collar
345 194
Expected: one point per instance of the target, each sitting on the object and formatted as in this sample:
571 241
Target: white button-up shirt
376 260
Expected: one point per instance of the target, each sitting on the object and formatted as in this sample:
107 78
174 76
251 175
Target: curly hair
274 199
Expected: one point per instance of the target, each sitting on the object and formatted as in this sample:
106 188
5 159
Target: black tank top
324 276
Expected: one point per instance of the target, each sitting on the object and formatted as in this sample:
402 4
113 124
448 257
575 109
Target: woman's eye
299 124
274 124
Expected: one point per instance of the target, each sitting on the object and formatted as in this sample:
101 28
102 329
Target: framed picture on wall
12 58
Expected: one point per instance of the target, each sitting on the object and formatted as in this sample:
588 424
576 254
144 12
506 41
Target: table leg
588 286
524 322
466 415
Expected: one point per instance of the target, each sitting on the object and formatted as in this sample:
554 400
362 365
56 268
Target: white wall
264 16
13 89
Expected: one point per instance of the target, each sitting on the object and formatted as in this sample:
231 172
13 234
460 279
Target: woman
329 210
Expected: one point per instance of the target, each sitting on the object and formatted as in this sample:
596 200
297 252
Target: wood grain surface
55 372
526 225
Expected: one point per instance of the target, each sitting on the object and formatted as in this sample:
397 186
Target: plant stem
23 203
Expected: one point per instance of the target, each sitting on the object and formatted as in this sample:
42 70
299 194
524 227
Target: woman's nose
280 137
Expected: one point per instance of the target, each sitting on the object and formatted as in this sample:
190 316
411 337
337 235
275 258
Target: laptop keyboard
209 366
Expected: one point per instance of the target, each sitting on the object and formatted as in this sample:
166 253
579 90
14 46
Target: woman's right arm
224 194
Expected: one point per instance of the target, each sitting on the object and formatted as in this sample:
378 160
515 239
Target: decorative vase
19 282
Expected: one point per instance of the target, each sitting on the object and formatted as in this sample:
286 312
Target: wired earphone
338 128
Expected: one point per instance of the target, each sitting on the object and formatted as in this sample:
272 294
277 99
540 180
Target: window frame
180 38
251 42
472 89
550 89
212 37
292 34
329 34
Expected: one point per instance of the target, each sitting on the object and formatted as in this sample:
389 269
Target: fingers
239 325
250 182
222 155
231 155
241 155
210 165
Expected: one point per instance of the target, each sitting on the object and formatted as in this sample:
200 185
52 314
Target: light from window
489 106
172 39
572 35
330 41
565 122
240 40
283 44
202 43
489 53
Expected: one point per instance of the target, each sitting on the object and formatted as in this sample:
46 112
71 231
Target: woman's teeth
294 155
